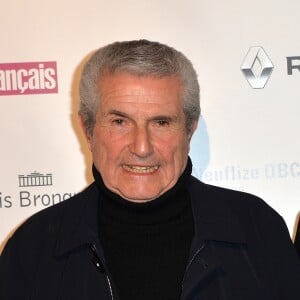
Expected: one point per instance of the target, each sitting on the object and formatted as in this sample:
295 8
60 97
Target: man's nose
141 142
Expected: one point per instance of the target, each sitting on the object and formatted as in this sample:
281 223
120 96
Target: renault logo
257 67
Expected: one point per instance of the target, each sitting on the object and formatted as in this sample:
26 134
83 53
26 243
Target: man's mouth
140 169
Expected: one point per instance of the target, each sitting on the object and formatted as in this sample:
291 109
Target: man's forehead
123 79
147 109
131 89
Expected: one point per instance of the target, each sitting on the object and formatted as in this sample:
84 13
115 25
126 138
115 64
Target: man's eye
162 123
118 121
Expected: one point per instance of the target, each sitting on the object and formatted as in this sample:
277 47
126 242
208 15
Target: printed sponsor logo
293 63
35 190
257 67
28 78
35 179
34 198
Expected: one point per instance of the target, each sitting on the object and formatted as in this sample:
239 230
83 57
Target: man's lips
140 169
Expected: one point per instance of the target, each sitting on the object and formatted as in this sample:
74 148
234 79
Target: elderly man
146 229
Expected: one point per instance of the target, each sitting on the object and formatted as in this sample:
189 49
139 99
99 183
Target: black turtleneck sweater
146 245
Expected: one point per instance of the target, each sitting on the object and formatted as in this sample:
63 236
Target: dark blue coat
241 251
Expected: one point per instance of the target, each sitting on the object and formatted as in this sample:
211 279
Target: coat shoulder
236 200
245 207
46 223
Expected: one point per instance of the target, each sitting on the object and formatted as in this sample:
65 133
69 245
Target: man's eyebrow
117 113
169 118
164 118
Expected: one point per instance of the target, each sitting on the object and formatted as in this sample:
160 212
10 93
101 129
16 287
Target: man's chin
139 197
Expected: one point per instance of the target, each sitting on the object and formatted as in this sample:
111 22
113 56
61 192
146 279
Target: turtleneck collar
169 206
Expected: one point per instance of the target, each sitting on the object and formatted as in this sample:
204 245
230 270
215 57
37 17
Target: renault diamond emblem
257 67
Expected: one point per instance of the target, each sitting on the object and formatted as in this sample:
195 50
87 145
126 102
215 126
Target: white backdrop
247 139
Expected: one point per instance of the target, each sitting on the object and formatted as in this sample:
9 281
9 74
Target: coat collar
213 218
79 224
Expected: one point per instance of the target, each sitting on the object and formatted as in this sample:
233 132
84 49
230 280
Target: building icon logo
257 67
35 179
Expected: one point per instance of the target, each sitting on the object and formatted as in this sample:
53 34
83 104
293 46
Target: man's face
139 142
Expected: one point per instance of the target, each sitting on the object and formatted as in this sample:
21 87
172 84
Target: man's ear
86 131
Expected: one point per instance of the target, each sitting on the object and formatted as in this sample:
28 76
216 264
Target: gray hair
141 58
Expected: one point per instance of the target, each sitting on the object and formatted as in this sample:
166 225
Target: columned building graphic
35 179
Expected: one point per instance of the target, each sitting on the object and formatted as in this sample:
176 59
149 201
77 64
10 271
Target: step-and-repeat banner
246 53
